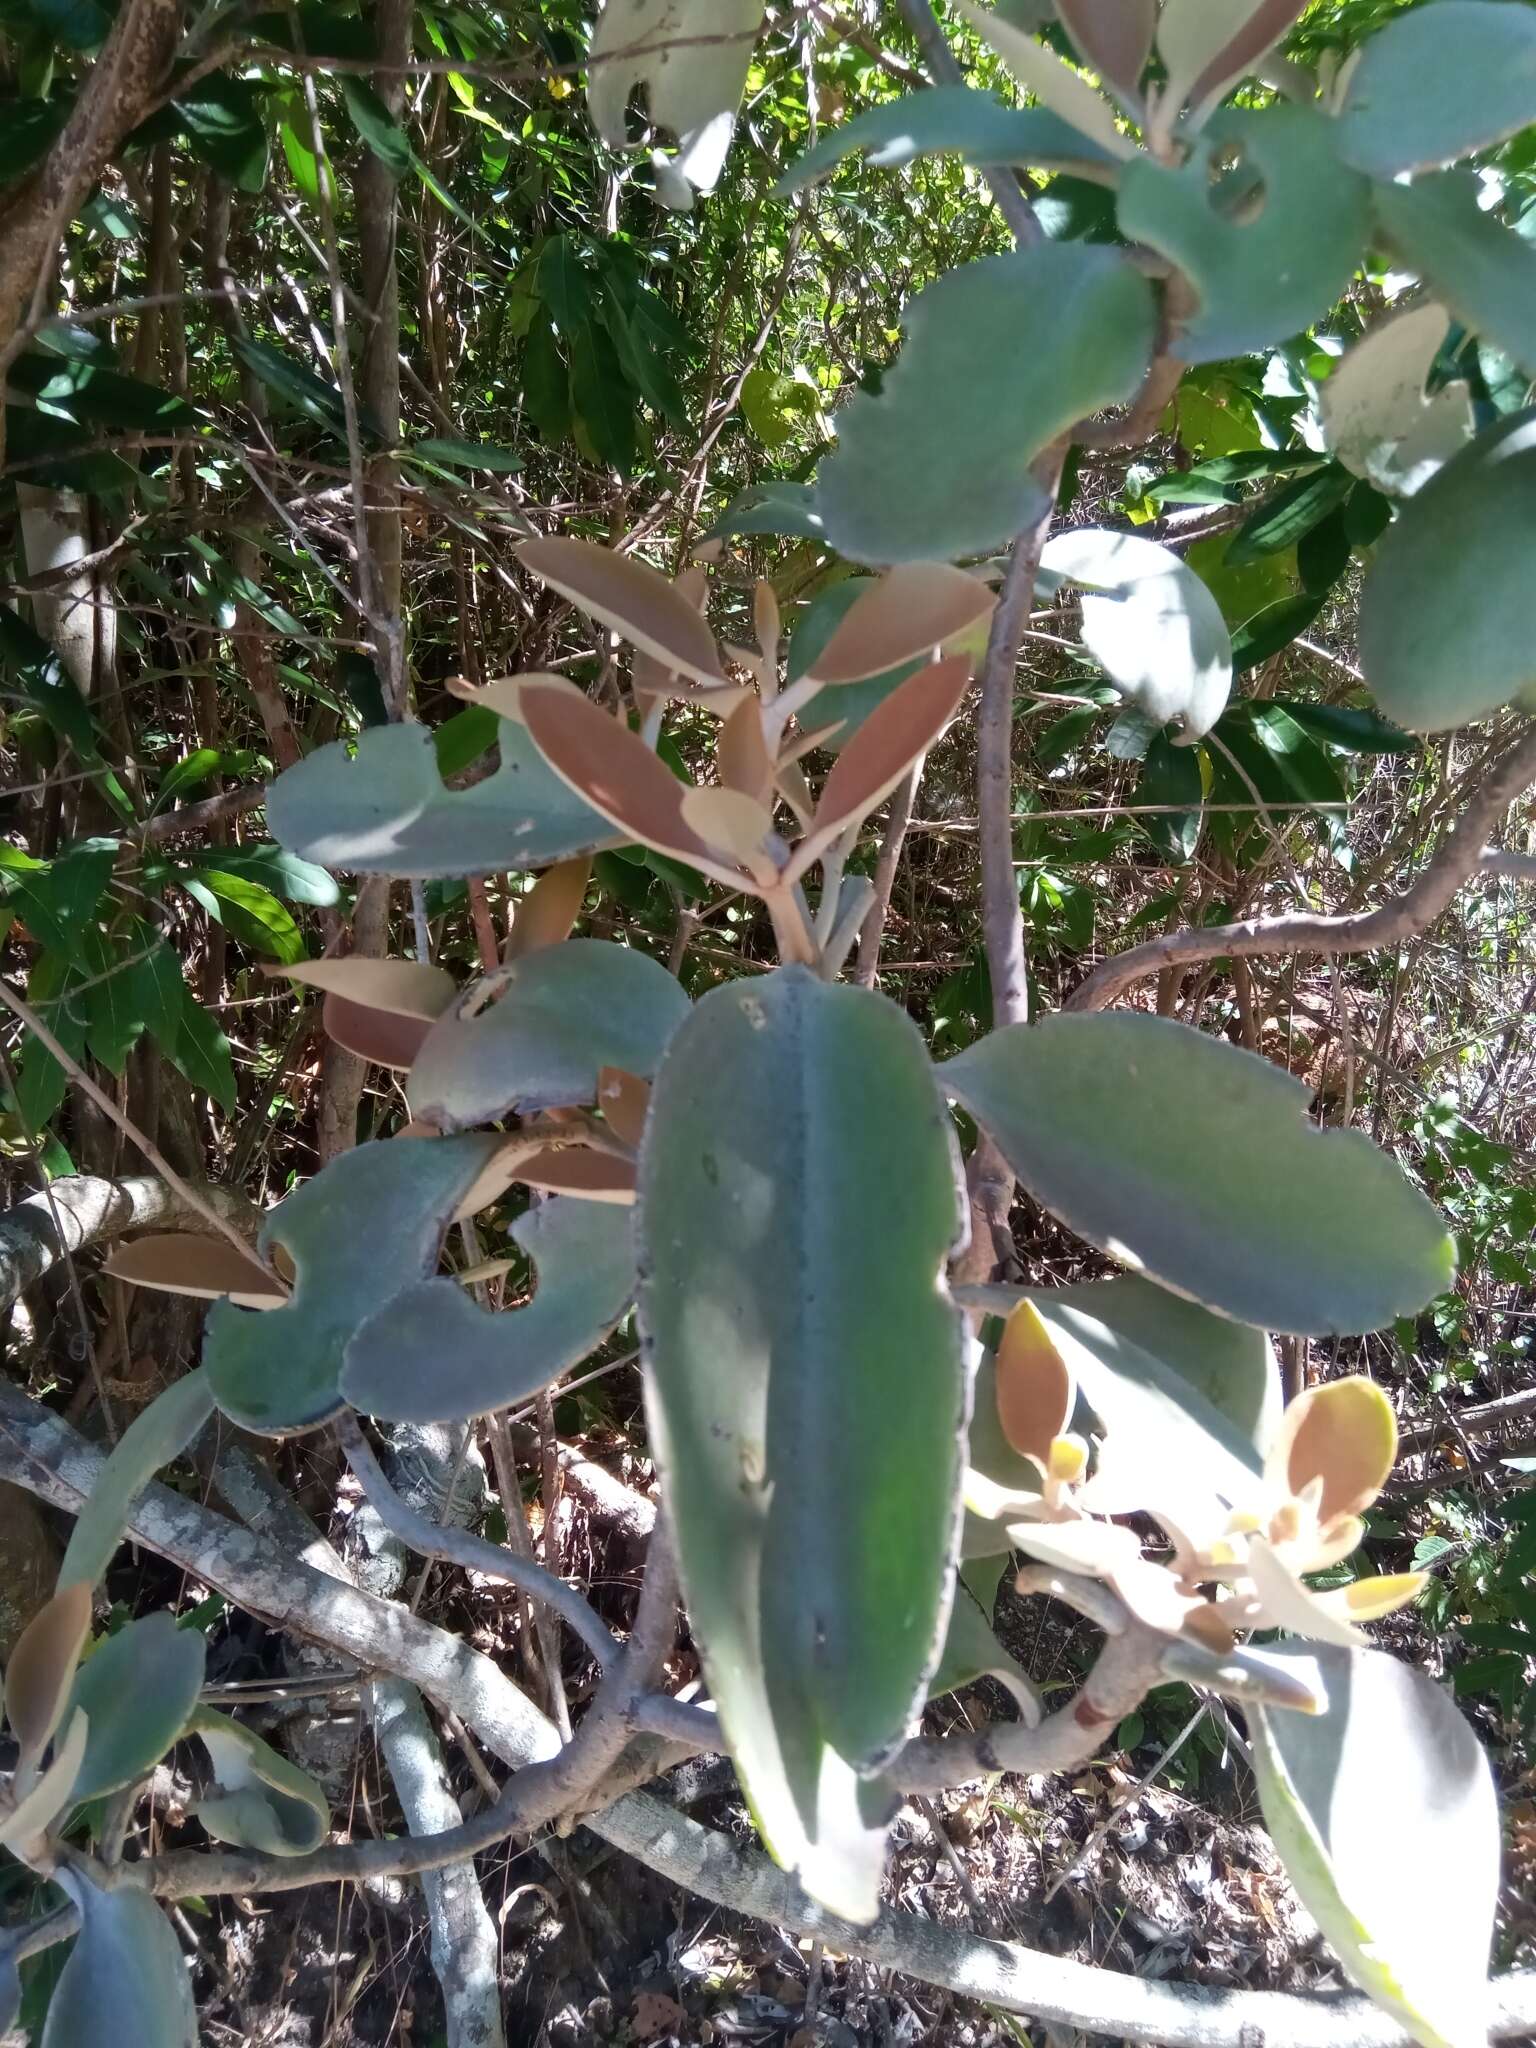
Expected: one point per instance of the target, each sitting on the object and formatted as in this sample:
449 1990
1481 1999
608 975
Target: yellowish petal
1370 1599
1068 1460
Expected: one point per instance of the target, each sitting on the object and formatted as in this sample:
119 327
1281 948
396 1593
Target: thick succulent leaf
557 1019
41 1666
951 118
989 1452
260 1800
1152 623
432 1355
387 811
1437 83
1448 612
1193 1161
781 506
156 1436
1259 276
1377 1804
402 988
693 88
909 613
1113 37
1001 356
577 1170
1485 272
125 1979
1049 78
849 704
1376 418
181 1262
138 1691
637 601
804 1381
972 1650
546 914
366 1227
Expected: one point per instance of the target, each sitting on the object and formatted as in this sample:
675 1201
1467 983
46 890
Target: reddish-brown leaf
1113 36
909 612
37 1679
546 914
634 599
382 1036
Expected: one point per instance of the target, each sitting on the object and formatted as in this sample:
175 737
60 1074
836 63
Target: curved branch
80 1209
1458 856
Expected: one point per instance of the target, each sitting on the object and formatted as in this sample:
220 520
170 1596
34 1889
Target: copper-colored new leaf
735 825
381 1036
403 988
1114 36
42 1668
1345 1434
624 1099
179 1262
1200 67
546 914
908 612
635 600
895 735
578 1170
615 772
501 694
741 753
1035 1389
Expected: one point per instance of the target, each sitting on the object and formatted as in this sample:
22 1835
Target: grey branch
1459 855
79 1210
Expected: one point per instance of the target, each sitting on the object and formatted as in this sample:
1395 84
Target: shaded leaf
1193 1161
779 1330
202 1052
1485 272
1372 1803
260 1801
1001 356
205 1267
124 1980
1114 37
433 1355
1283 518
281 1371
907 614
42 1666
971 1648
1448 611
137 1690
537 1033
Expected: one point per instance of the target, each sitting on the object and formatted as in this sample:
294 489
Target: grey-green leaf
432 1355
156 1436
1485 272
1001 356
1151 622
1448 612
806 1391
260 1800
138 1691
971 1648
1268 245
1192 1161
368 1226
387 811
950 119
1379 1803
124 1980
1437 83
558 1017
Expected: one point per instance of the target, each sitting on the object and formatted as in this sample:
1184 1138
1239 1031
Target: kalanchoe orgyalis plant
772 1173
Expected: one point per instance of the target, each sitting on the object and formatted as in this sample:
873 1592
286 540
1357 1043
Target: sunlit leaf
281 1371
1381 1801
158 1434
1193 1161
636 600
1113 37
950 118
1206 48
1436 83
1485 272
1376 417
1049 78
910 612
536 1033
1001 356
693 89
259 1800
806 1393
